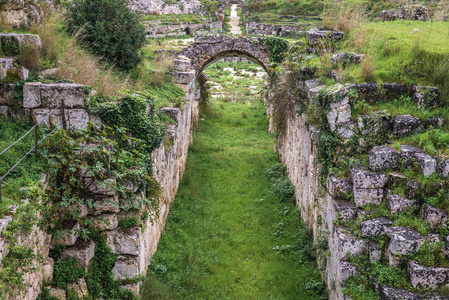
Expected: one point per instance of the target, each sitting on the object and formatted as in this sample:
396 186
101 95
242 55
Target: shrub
109 29
67 271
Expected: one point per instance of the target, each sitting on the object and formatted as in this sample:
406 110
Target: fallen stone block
403 240
82 252
405 125
383 157
427 163
434 216
427 277
375 227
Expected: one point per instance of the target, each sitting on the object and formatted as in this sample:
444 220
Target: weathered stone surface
403 240
5 65
108 204
315 38
345 210
362 179
347 270
434 216
97 187
125 268
373 125
181 63
433 238
161 7
383 157
32 41
24 17
82 252
375 227
78 119
405 125
443 168
368 196
69 236
398 204
412 188
32 95
47 270
57 293
79 288
40 116
4 111
125 242
339 188
19 114
427 163
346 58
348 244
52 95
7 91
184 77
427 277
396 179
339 118
375 253
436 122
407 12
408 153
105 221
388 293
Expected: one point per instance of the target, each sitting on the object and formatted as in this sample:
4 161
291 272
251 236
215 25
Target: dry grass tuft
440 10
76 63
367 68
344 17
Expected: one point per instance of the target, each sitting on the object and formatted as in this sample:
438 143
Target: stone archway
208 49
225 3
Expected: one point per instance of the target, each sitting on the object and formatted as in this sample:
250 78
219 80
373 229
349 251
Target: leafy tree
108 28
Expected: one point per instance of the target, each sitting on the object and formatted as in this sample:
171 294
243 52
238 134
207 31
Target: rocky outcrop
161 7
20 13
408 12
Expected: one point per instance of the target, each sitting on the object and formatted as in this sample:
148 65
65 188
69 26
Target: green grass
226 236
25 174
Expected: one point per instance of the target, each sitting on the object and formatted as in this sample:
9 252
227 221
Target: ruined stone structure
208 49
255 28
157 29
161 7
225 3
409 12
20 13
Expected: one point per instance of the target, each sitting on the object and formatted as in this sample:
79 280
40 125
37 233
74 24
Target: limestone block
338 187
443 168
366 91
12 4
52 95
105 221
69 236
125 242
40 116
427 277
347 270
388 293
346 58
182 63
125 268
7 91
362 179
405 125
375 253
28 40
383 157
375 227
411 188
79 288
78 119
403 240
311 83
368 196
426 96
4 111
313 92
26 17
433 238
434 216
82 252
109 204
427 163
184 77
436 122
398 204
348 244
97 187
57 293
391 91
5 65
20 114
408 154
47 269
174 113
32 95
345 210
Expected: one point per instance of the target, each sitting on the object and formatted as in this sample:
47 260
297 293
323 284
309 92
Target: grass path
226 236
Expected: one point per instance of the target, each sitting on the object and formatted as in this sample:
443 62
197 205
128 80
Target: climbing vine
277 47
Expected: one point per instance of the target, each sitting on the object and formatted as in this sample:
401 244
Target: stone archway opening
227 3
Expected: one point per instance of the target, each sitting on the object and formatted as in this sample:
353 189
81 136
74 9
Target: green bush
108 28
67 271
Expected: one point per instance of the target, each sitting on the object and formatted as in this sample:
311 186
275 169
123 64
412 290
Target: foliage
281 186
277 47
129 222
67 271
109 29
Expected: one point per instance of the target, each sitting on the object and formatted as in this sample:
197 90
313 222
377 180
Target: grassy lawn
26 173
227 236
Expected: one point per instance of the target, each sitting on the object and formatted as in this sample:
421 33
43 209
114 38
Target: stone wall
156 29
255 28
20 13
160 7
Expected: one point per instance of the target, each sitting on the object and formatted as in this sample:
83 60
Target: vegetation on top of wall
108 28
